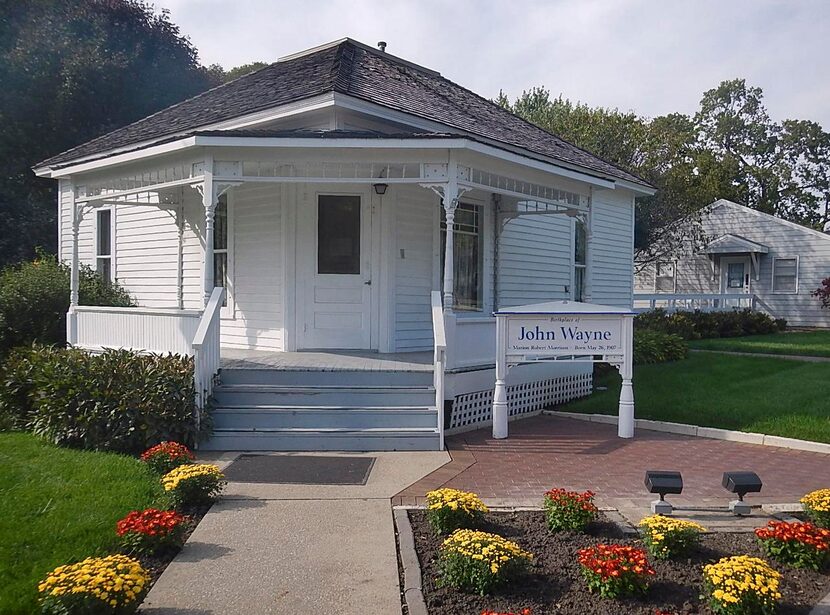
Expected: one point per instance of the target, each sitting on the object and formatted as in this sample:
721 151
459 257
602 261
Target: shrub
194 484
569 510
823 293
151 531
817 506
34 299
666 537
451 509
741 585
657 347
802 545
117 400
477 561
165 456
613 571
700 325
113 584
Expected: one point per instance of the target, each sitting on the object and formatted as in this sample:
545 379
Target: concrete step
297 439
323 417
331 378
356 396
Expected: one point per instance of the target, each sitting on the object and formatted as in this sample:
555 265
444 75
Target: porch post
209 203
74 275
588 291
450 204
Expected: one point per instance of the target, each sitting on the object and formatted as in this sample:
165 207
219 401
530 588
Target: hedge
699 325
117 400
658 347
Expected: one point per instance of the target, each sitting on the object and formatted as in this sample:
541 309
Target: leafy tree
72 70
223 76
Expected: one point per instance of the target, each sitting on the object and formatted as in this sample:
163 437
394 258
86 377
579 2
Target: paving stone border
703 432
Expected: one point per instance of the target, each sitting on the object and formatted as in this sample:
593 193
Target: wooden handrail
439 335
211 312
438 328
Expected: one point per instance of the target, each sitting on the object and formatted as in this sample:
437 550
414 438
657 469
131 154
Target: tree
781 169
222 76
72 70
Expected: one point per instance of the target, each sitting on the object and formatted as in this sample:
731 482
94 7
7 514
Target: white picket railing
439 335
713 302
136 328
206 348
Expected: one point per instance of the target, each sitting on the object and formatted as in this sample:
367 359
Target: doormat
300 469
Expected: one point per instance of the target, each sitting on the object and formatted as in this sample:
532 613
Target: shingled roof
350 68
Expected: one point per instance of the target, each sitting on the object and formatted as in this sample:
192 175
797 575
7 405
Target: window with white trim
580 260
220 247
785 275
103 244
468 255
665 279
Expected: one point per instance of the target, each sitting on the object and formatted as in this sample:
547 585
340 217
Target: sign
565 334
564 331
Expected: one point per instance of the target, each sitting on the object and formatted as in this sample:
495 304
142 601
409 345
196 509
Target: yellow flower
115 579
176 476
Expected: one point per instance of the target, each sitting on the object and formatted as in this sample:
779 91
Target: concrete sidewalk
299 549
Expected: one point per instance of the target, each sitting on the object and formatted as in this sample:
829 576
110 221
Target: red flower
803 533
150 522
171 450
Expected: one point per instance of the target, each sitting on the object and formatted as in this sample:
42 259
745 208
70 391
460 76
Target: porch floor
340 360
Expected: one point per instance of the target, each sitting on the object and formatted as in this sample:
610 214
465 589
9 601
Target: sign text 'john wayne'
564 334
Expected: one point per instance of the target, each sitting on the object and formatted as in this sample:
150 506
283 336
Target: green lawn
756 394
58 506
811 343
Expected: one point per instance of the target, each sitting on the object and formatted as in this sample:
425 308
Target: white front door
335 248
734 275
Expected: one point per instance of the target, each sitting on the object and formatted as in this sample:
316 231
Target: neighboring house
330 194
773 263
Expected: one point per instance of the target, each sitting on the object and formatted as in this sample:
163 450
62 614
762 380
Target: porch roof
357 71
735 244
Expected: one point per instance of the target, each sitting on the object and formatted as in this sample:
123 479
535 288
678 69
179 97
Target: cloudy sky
650 56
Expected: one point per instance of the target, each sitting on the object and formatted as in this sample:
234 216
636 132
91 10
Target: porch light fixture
741 483
663 483
380 189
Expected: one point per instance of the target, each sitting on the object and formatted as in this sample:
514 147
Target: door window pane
338 235
735 275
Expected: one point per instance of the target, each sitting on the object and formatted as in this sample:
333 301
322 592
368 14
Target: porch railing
206 348
192 333
439 335
713 302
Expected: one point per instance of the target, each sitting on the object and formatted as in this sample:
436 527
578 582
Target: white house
330 194
749 259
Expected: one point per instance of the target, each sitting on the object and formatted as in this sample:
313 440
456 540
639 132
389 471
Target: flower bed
554 582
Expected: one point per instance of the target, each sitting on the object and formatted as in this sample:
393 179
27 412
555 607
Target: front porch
329 361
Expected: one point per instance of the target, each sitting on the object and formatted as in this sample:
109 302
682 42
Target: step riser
242 441
327 378
353 399
261 418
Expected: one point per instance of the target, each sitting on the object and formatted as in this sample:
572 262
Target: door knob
368 282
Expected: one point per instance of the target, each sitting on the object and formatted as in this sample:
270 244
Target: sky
649 56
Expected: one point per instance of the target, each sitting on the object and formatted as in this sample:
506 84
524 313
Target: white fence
192 333
716 302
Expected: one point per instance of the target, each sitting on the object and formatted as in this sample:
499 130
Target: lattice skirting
476 408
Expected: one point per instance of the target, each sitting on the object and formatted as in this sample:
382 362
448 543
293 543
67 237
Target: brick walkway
548 451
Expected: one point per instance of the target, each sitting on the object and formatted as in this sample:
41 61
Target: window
664 277
467 255
785 275
338 235
220 246
103 244
735 275
580 241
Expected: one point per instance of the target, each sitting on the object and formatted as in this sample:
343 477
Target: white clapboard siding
612 247
695 273
534 260
415 220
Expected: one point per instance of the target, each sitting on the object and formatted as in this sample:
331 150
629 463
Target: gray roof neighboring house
350 68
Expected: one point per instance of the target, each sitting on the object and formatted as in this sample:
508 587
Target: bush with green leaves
701 325
34 299
657 347
117 400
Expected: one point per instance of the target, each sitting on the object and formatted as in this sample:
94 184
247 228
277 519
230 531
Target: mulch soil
156 564
555 584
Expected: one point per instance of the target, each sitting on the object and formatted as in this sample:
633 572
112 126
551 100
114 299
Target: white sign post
564 331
